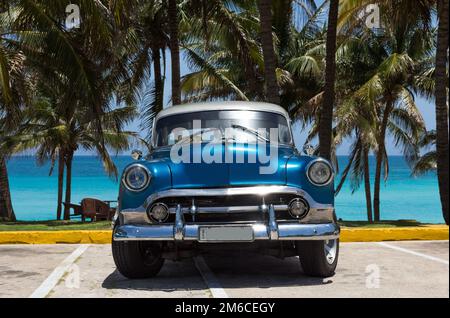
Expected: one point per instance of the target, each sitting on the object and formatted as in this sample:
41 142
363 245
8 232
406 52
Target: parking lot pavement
24 267
364 270
389 269
99 278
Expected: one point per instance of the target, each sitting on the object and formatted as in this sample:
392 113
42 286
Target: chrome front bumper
319 213
180 231
191 232
319 223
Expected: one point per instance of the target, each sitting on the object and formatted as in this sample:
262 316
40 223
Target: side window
284 135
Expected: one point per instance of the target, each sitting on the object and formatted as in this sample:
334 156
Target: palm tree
428 161
222 51
360 169
410 12
13 96
51 134
86 66
230 65
270 61
6 208
175 51
399 49
441 93
326 113
150 21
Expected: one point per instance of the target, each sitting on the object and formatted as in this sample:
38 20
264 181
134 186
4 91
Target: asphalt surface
390 269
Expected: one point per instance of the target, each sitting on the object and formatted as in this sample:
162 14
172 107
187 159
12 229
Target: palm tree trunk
367 186
60 184
175 52
159 82
265 13
6 208
441 80
68 159
379 159
326 113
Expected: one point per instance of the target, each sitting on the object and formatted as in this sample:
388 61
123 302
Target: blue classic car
224 175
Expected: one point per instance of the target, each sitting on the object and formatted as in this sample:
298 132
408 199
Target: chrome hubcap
330 247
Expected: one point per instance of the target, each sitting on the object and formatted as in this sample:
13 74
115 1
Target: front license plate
226 234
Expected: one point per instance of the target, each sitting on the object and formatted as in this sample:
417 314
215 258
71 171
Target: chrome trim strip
273 226
318 213
286 231
178 229
138 216
228 209
257 190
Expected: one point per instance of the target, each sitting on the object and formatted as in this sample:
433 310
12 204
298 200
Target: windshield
244 126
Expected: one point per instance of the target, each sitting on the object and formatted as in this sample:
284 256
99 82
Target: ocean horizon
34 192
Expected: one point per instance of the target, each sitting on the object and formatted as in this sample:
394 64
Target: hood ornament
136 154
308 149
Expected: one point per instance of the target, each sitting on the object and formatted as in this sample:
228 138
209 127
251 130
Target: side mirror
136 154
308 149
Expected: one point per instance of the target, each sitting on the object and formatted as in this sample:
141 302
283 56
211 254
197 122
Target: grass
106 225
53 225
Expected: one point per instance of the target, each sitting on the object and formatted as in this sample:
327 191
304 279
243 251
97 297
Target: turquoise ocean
34 192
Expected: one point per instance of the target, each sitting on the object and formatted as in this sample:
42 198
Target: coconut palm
174 51
326 114
410 12
148 57
441 94
270 62
222 51
428 161
230 65
399 49
80 67
14 88
53 136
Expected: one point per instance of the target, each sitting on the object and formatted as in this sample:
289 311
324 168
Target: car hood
232 165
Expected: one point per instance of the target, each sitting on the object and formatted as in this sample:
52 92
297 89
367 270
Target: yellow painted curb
432 232
55 237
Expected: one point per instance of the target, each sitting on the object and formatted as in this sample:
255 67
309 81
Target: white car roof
211 106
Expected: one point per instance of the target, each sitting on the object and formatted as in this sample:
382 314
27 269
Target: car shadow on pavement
238 270
253 270
174 276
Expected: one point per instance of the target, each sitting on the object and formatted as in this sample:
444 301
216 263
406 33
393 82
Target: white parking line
210 279
401 249
52 280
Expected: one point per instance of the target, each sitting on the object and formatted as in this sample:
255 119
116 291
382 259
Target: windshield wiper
252 131
191 136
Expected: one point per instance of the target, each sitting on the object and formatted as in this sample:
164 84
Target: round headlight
136 177
298 208
320 172
159 212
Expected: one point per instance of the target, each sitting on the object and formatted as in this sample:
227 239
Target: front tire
136 259
318 258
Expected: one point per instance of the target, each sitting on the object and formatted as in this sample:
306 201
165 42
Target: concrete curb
431 232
